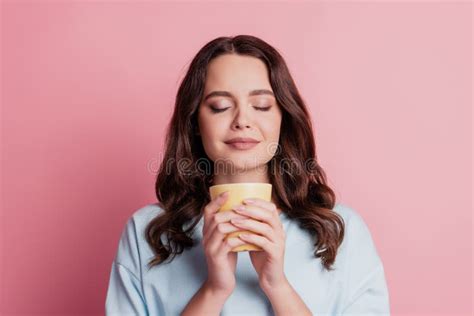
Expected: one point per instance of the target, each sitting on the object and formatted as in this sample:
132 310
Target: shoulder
362 267
345 211
146 213
132 241
353 221
140 219
358 240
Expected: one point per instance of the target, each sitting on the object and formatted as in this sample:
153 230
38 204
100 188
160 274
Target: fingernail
239 208
225 194
248 201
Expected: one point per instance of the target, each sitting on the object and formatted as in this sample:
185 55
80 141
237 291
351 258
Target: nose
240 126
241 120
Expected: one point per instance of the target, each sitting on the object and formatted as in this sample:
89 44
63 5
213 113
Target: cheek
271 130
212 131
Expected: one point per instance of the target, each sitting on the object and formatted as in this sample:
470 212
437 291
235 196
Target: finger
213 206
261 203
217 236
259 213
230 243
221 217
212 241
224 227
261 242
256 227
224 247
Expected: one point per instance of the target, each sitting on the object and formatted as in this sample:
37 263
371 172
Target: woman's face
238 101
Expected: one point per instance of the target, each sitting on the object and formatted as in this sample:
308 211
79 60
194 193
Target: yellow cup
237 193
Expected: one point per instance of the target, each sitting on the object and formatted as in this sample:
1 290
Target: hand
221 261
264 220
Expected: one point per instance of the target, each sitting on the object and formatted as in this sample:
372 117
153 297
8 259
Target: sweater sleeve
124 294
367 287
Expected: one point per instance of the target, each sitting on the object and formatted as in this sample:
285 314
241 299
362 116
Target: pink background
88 88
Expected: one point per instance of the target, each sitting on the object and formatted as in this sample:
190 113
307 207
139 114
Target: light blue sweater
357 286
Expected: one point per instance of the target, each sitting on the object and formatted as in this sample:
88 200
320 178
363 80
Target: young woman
239 117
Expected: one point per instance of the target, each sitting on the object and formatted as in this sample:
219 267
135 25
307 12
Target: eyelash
264 109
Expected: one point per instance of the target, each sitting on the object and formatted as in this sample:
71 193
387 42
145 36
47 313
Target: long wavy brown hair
299 183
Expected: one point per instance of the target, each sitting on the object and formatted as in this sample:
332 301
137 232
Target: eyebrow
228 94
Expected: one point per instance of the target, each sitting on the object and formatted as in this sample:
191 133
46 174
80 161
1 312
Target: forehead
237 73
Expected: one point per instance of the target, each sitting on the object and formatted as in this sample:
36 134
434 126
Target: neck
226 174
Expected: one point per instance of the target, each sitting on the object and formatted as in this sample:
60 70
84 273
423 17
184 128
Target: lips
242 143
241 140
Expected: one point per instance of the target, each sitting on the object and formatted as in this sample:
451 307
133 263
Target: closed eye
216 110
266 108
